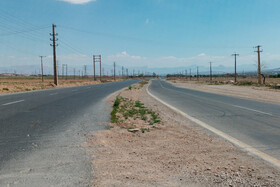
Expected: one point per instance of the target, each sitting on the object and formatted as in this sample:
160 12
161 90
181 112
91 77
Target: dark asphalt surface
252 122
28 117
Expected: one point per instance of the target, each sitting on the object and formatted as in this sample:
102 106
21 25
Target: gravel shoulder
249 92
176 152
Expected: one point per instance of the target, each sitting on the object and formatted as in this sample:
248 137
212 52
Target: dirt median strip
176 152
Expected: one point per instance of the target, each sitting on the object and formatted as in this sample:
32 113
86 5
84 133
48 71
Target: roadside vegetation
132 114
139 85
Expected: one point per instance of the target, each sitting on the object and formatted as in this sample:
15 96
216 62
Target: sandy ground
175 153
250 92
23 84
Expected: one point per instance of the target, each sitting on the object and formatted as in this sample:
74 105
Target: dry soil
175 153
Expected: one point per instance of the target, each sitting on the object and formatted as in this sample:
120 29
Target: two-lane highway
41 133
255 123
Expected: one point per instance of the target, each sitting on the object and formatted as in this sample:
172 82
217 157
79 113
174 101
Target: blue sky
141 33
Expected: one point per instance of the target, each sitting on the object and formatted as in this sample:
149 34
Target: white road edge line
236 142
252 110
14 102
54 94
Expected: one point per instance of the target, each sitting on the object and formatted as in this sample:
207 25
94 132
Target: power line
24 31
72 48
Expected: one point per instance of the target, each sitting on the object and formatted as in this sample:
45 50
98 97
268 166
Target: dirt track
176 153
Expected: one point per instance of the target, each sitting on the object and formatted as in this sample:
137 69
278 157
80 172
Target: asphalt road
42 133
254 123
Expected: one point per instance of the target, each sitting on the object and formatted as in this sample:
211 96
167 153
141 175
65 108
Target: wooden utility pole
210 71
94 78
100 70
114 71
235 74
127 72
259 64
42 69
96 59
66 71
54 45
74 73
122 71
197 75
190 74
63 65
85 68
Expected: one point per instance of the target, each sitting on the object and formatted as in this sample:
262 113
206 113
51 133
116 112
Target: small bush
244 83
138 104
143 130
6 89
114 117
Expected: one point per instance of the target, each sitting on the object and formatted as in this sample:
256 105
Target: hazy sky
136 33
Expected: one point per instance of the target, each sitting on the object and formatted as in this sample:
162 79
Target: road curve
255 123
42 131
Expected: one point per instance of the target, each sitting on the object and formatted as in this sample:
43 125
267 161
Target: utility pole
85 68
63 65
122 71
94 78
66 71
54 45
74 73
259 63
127 72
210 71
197 73
235 75
114 71
100 70
190 74
42 69
96 59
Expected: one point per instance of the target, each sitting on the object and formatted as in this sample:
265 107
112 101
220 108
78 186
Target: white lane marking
74 90
252 110
54 94
219 101
242 145
14 102
88 87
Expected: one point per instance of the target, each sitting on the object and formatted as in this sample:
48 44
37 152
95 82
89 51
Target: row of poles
235 65
96 59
